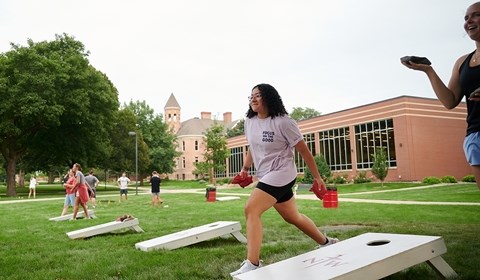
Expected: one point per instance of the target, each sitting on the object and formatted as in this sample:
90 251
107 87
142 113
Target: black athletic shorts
282 194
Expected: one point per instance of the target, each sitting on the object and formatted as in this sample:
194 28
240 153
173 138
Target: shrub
299 179
469 179
340 179
323 169
361 178
449 179
431 180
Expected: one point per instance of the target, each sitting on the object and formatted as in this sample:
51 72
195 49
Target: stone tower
172 114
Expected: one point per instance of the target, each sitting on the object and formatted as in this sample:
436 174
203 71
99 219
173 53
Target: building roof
198 126
172 102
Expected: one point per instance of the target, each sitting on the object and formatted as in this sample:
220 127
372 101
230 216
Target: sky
325 55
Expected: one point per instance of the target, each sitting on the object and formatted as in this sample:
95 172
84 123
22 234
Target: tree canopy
216 151
55 107
380 164
300 114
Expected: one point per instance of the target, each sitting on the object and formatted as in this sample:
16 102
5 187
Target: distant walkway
146 191
344 199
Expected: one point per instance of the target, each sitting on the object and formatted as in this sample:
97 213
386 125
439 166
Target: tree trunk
51 177
21 178
11 166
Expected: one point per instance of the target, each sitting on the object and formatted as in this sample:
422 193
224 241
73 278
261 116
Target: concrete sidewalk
146 191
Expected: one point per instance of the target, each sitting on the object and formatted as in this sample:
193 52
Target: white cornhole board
226 198
193 235
81 214
367 256
104 228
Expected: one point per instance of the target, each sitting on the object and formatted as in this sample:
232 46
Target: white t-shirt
272 143
123 182
33 183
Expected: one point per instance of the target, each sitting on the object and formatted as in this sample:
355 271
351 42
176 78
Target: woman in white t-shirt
272 137
33 186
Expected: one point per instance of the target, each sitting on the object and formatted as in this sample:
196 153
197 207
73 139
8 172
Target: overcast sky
326 55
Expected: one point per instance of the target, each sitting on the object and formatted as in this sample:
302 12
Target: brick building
420 136
190 137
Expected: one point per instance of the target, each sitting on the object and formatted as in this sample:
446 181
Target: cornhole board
80 214
193 235
104 228
367 256
226 198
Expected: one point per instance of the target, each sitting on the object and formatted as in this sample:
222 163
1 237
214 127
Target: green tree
56 107
159 139
216 152
380 164
300 114
322 166
201 169
238 129
122 158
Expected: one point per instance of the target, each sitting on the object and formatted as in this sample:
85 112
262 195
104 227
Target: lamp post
133 133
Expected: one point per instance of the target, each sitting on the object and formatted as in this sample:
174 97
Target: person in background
123 185
81 190
464 82
32 186
272 137
69 185
92 181
155 184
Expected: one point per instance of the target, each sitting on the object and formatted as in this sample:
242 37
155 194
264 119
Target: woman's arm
449 96
307 156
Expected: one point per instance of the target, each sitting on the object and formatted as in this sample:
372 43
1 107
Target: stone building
190 137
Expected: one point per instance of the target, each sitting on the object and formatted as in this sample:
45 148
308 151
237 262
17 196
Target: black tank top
470 81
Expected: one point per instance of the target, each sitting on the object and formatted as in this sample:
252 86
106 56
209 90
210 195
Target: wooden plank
105 228
367 256
192 236
80 214
227 198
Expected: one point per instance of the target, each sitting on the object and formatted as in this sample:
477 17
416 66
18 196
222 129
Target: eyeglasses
256 96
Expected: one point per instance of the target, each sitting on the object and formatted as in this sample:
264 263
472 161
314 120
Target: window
196 145
371 136
235 160
310 141
335 147
183 145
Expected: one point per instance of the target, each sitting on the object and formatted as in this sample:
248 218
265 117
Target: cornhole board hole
81 214
367 256
193 235
104 228
227 198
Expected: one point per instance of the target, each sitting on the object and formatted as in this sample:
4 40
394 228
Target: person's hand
417 66
319 188
475 95
243 173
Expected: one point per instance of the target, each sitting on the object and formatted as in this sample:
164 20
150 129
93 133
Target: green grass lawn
32 247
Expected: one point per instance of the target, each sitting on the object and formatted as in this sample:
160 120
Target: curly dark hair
272 101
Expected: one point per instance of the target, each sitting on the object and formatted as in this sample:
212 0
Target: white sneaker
246 266
331 241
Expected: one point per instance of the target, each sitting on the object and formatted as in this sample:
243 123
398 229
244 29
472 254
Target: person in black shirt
155 183
464 81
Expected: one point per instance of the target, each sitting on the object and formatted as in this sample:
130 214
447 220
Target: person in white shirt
33 186
273 137
123 184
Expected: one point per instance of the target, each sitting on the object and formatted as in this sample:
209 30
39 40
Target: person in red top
82 192
70 194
